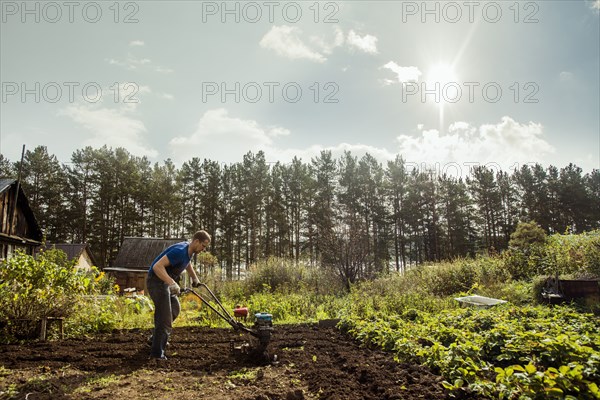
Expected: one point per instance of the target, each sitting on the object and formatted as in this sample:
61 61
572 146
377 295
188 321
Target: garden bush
287 276
569 254
34 288
574 254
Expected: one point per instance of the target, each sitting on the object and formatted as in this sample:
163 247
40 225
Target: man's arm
160 270
192 274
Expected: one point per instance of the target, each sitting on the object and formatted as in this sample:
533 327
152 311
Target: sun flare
442 79
442 73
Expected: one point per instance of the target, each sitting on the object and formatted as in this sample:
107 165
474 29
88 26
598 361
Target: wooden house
80 252
19 229
134 259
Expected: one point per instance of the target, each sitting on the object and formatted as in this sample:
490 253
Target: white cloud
167 96
133 63
278 131
223 138
327 46
403 74
505 144
163 70
130 63
595 5
285 41
367 43
387 82
136 43
112 127
458 127
566 76
339 36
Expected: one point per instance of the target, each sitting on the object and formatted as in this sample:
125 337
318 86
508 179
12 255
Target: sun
442 80
442 73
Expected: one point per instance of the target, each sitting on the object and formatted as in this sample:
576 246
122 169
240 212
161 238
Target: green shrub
390 296
525 255
93 314
458 276
134 312
449 278
575 255
523 264
492 271
527 234
286 276
519 293
34 288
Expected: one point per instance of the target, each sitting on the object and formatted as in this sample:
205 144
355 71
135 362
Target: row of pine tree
383 216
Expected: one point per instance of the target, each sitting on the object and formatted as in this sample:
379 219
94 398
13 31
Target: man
163 288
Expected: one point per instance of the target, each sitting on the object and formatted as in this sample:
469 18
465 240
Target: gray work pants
166 309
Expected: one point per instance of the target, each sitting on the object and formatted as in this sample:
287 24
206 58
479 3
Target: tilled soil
312 362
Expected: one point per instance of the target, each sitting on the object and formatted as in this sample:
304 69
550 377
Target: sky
444 84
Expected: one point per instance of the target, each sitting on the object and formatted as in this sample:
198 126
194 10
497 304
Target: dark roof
138 253
5 184
73 250
36 232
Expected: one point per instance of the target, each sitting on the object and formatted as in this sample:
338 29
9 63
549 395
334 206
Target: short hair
202 236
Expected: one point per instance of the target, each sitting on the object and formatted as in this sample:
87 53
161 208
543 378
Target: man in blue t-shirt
163 288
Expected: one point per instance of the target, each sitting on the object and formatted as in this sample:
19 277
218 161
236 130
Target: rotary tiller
261 330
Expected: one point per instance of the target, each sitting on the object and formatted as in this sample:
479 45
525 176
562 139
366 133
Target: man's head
200 241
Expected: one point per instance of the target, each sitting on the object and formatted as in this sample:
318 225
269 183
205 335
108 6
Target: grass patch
244 374
4 371
97 383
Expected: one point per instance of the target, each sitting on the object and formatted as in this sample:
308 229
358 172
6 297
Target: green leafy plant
506 352
32 288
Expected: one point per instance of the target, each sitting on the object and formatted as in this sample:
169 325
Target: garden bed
313 363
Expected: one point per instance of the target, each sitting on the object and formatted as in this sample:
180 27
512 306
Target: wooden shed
134 258
18 227
78 251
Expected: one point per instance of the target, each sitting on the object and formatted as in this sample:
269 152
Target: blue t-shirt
178 259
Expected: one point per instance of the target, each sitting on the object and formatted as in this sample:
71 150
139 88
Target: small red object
240 312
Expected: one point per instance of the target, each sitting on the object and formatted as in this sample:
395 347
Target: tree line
354 214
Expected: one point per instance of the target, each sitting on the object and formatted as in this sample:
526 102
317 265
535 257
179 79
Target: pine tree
592 182
322 202
485 192
44 180
6 168
190 183
397 190
299 204
456 209
573 198
374 213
